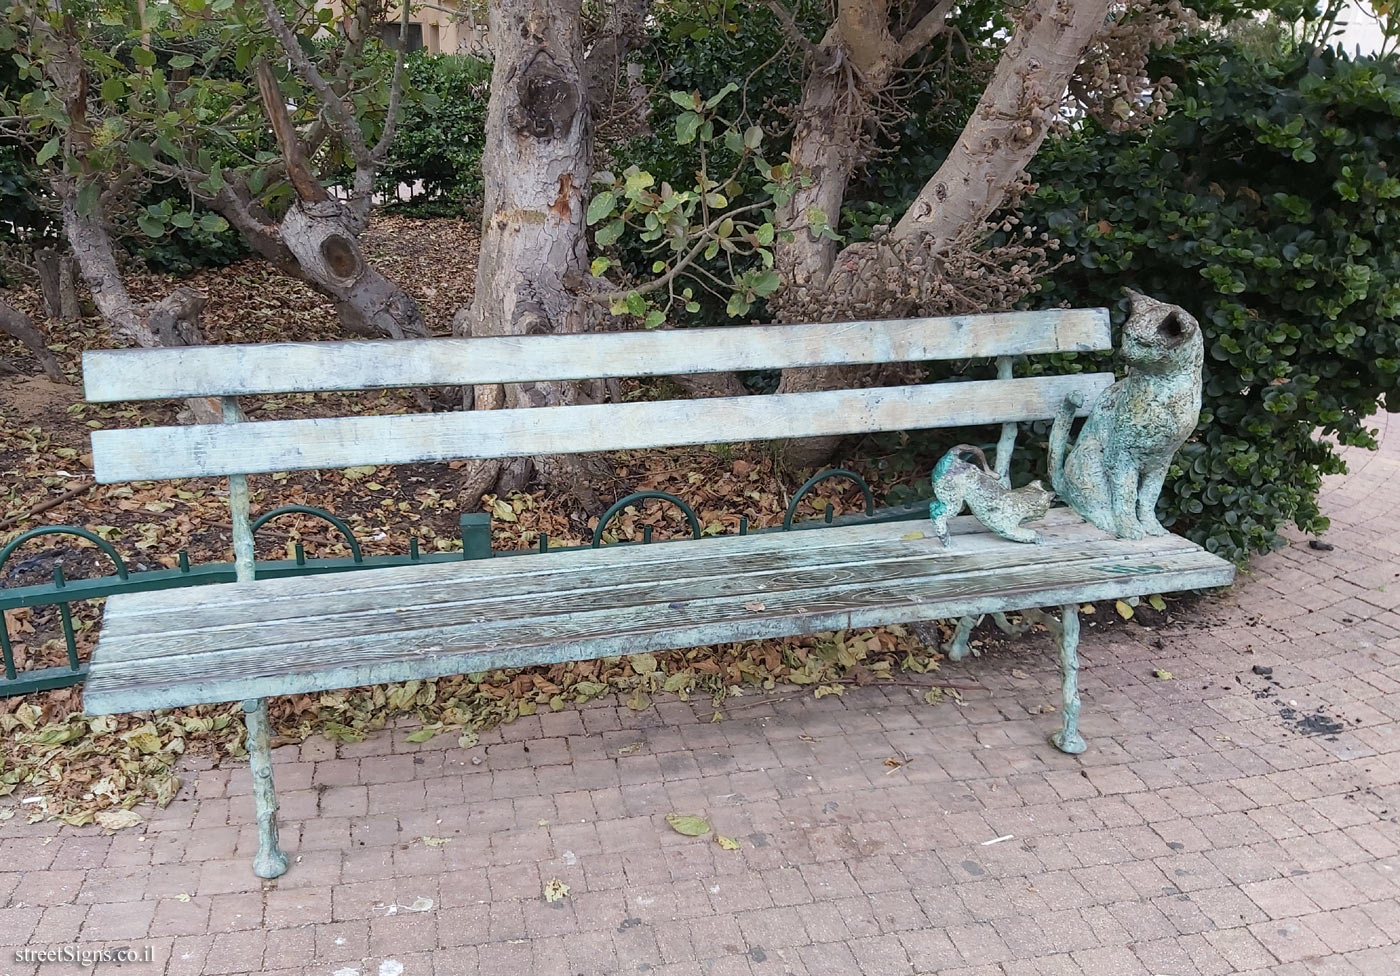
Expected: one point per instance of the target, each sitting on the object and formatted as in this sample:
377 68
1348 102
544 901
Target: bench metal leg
270 862
957 647
1068 738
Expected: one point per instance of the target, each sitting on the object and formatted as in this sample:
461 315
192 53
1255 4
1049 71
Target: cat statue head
1039 496
1160 338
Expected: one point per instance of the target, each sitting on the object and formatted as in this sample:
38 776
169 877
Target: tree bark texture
58 283
172 321
1008 126
536 167
322 237
854 61
1010 122
321 234
16 324
622 31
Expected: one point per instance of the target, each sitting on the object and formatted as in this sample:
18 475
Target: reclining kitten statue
1114 473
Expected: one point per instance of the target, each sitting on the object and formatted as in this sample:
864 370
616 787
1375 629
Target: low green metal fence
475 530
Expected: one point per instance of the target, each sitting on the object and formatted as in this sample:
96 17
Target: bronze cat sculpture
957 482
1113 474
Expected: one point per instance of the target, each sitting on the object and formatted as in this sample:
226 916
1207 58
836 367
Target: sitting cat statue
957 482
1114 473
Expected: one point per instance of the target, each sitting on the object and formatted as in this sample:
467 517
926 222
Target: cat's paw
1131 532
1155 528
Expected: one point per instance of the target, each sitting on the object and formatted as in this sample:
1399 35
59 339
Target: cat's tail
1059 441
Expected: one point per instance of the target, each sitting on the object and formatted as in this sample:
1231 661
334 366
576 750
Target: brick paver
1238 818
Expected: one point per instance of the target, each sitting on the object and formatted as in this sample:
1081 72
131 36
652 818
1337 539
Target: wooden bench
252 639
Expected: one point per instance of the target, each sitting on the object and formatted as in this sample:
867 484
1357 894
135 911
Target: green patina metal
43 530
355 554
262 639
269 862
1114 473
641 496
817 479
43 679
958 482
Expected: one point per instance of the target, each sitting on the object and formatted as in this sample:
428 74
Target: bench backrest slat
156 374
286 445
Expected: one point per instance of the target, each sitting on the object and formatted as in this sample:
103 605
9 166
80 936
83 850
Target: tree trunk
92 247
172 321
623 30
58 283
15 323
1007 127
69 310
536 166
824 147
836 105
322 237
1010 122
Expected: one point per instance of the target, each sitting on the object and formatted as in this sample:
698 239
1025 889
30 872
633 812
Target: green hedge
441 134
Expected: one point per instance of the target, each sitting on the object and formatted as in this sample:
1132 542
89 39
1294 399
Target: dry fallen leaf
754 606
728 843
117 819
555 890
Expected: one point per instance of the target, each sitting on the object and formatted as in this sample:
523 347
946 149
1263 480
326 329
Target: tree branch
795 35
1010 122
690 256
340 116
391 121
919 36
308 187
15 323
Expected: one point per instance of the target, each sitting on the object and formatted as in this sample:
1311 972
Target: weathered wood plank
680 558
151 374
192 632
230 617
288 445
306 666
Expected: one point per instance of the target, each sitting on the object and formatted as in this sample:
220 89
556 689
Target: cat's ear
1137 300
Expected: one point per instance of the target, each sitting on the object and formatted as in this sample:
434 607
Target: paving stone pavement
1223 821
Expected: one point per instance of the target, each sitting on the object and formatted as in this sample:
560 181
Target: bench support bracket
269 862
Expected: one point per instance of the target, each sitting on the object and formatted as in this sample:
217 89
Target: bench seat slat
497 603
237 370
292 445
540 625
286 598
